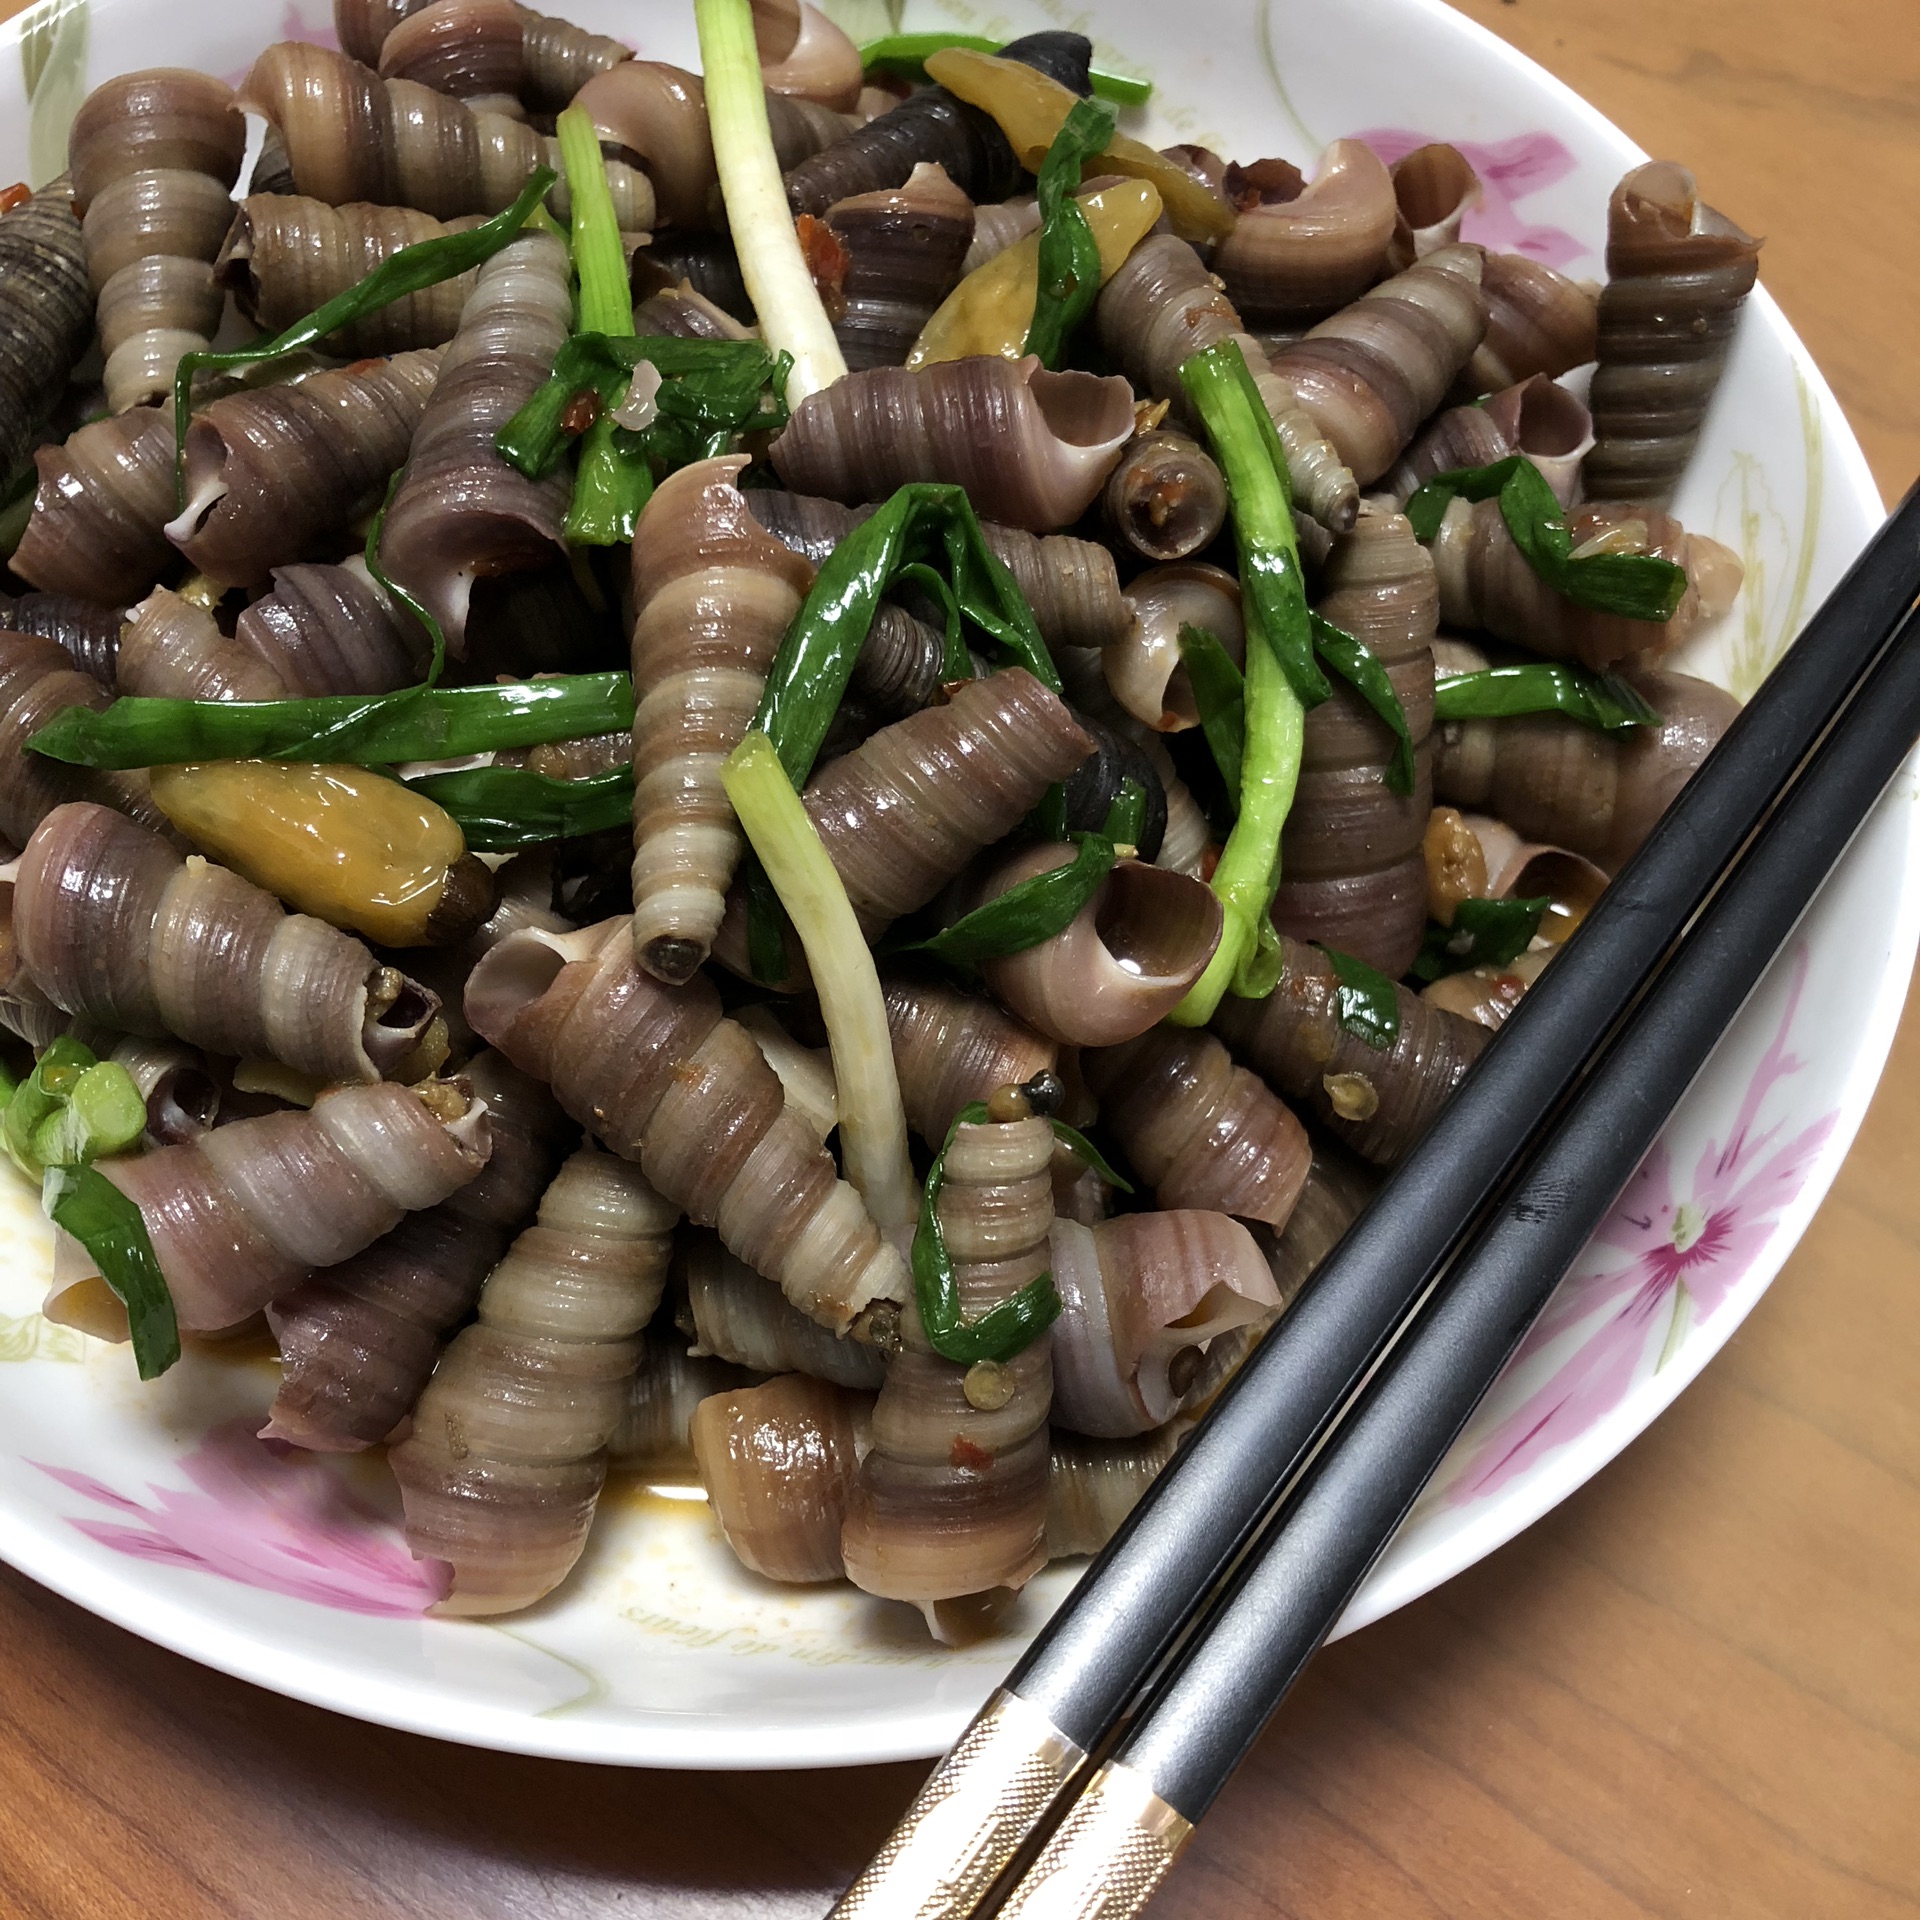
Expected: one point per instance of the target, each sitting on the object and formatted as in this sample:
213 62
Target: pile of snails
531 1161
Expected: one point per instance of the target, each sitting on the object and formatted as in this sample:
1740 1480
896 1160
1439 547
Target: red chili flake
16 195
582 411
965 1454
365 366
1508 990
1209 859
827 261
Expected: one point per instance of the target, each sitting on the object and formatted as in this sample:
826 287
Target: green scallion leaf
923 523
425 264
82 1201
1248 449
416 609
1366 1002
766 924
611 487
599 263
955 663
1127 815
1281 677
1259 973
500 808
1028 913
102 1113
1077 1142
710 390
1069 264
906 54
615 479
442 723
1363 672
72 1108
1220 694
1485 933
999 1333
37 1099
1636 586
1602 700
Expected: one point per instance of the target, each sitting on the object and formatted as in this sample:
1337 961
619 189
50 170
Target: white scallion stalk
771 263
873 1122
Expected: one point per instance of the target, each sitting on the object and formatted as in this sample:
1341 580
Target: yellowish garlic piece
1030 108
345 844
992 308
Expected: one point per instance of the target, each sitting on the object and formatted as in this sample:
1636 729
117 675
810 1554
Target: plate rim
919 1732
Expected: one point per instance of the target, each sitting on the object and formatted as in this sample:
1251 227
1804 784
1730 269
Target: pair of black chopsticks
1174 1651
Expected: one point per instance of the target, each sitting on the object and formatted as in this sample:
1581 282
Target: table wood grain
1692 1690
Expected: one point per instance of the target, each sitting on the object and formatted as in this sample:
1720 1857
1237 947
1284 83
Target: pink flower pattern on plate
294 26
1683 1254
1509 171
267 1518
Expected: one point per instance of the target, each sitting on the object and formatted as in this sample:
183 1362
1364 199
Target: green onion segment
500 808
873 1121
1077 1142
399 595
906 54
369 730
69 1111
1220 694
1003 1330
1602 700
1069 262
424 264
710 392
792 318
85 1203
1248 449
1274 703
1030 912
923 521
1366 1001
614 480
1363 672
1637 586
72 1108
1485 933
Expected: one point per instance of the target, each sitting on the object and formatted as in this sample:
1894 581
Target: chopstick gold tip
1109 1855
968 1821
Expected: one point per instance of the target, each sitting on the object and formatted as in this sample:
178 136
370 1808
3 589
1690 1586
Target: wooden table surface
1694 1689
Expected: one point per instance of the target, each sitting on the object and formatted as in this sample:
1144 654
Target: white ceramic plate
154 1508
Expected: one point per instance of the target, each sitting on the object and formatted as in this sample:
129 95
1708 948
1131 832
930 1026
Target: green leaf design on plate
53 62
1778 562
864 20
31 1336
1263 28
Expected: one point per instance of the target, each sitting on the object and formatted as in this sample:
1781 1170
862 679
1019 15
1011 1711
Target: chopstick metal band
969 1819
1302 1577
1110 1854
1182 1537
